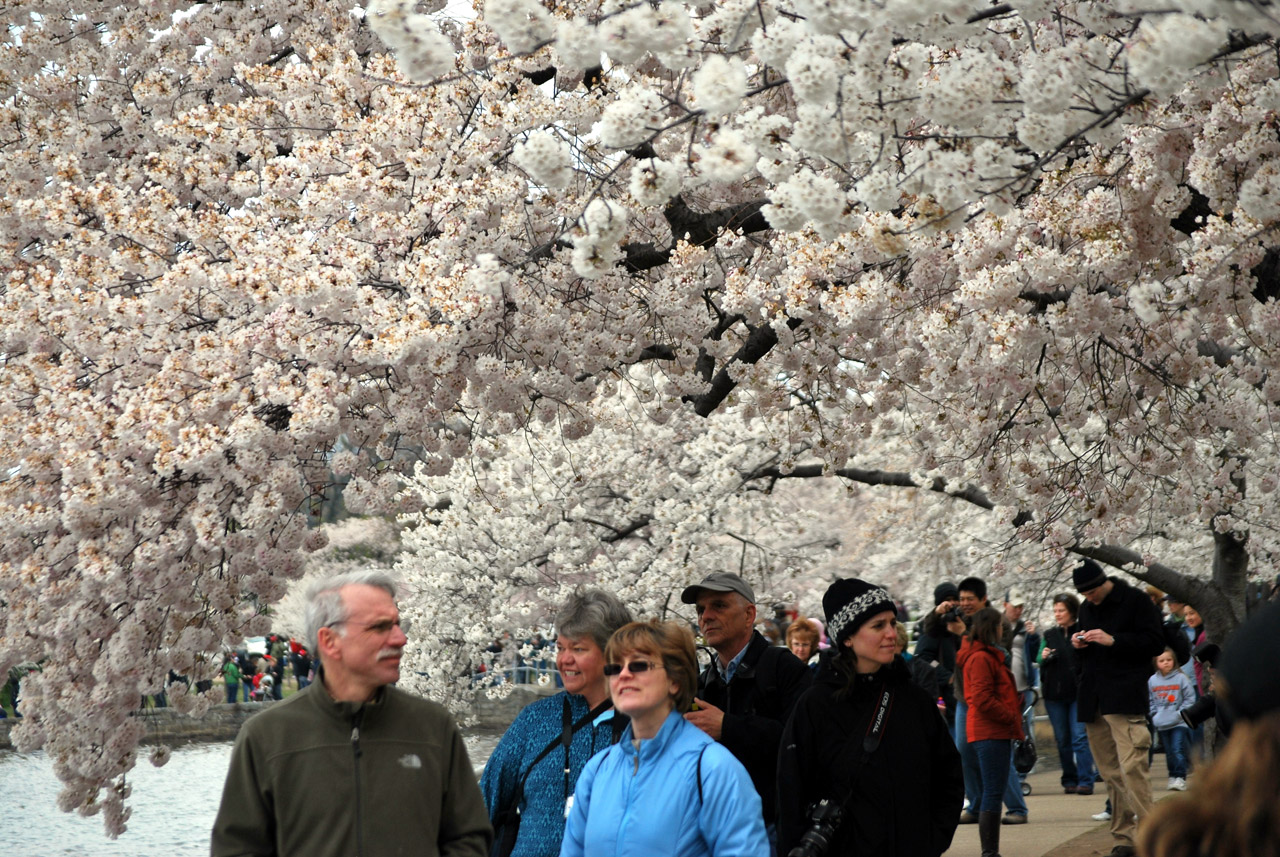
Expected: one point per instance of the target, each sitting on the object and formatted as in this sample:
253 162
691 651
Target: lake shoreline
222 721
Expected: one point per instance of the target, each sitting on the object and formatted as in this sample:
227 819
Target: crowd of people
260 676
838 742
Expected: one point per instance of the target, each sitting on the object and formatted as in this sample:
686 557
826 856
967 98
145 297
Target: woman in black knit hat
868 742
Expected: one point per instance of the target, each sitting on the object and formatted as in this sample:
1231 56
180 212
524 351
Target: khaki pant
1119 743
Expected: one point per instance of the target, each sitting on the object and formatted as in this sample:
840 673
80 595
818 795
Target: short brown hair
1069 601
988 626
670 641
803 629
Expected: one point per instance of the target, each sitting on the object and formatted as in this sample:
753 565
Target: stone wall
222 721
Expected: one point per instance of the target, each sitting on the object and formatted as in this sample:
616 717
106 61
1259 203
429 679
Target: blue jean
972 773
233 687
1073 743
968 758
994 758
1177 746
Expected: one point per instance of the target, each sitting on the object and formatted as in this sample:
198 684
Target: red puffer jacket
995 711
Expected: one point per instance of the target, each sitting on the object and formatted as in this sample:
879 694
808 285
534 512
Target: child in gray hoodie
1170 691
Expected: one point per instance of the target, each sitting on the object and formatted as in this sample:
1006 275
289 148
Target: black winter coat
765 688
1113 679
938 646
1058 671
904 800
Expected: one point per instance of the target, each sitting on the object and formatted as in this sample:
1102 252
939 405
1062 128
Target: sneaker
1101 816
1014 818
1177 784
968 817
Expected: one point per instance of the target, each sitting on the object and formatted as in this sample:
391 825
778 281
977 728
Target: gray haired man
351 765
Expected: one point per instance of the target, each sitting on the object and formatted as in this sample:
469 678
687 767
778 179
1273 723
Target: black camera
824 818
950 616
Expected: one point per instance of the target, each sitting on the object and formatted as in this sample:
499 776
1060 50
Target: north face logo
410 761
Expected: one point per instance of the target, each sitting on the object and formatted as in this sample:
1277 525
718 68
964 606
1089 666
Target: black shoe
1122 851
1014 818
968 817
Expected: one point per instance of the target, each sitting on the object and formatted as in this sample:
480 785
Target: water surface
173 806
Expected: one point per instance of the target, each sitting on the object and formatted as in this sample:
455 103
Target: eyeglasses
636 667
380 628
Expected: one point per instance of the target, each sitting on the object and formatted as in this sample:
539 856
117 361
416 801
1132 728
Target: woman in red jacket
995 717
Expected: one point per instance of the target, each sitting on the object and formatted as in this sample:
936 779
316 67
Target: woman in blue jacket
665 787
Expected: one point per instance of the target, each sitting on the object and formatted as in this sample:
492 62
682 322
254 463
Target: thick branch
1216 599
759 343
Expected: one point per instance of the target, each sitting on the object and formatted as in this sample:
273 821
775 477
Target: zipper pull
355 740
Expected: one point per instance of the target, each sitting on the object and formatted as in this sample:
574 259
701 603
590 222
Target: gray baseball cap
718 581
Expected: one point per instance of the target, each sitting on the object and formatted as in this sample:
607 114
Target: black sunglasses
636 667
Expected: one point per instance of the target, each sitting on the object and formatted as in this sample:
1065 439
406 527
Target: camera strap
876 727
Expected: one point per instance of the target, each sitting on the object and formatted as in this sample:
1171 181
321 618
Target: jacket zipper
356 753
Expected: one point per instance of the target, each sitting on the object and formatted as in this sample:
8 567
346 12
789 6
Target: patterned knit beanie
849 603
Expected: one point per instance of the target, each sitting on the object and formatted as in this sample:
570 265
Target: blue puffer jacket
642 803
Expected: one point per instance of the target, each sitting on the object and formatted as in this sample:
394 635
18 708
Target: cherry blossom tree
254 247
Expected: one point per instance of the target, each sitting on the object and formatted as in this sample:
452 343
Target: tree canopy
1032 242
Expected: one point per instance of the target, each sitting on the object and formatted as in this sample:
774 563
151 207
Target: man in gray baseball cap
719 581
746 693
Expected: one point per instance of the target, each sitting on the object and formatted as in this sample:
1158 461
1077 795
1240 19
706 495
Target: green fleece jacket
311 777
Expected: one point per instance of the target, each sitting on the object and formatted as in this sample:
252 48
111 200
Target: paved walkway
1059 825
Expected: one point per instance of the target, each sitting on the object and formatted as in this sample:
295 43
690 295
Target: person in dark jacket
1119 635
939 640
869 741
994 719
747 692
1058 685
922 673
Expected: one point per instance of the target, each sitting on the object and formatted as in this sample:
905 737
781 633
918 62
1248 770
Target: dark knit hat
1088 575
850 602
945 591
1251 685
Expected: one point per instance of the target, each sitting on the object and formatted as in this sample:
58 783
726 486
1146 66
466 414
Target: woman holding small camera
1058 684
866 763
665 787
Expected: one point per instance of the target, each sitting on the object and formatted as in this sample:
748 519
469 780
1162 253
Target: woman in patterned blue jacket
665 788
533 770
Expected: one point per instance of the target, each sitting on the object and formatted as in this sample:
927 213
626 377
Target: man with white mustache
351 766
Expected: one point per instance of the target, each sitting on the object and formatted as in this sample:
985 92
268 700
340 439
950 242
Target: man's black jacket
756 705
1113 679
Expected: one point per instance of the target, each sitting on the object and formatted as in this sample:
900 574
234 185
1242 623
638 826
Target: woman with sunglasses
665 787
530 777
866 761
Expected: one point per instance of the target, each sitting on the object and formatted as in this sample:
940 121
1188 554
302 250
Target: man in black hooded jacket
1119 636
